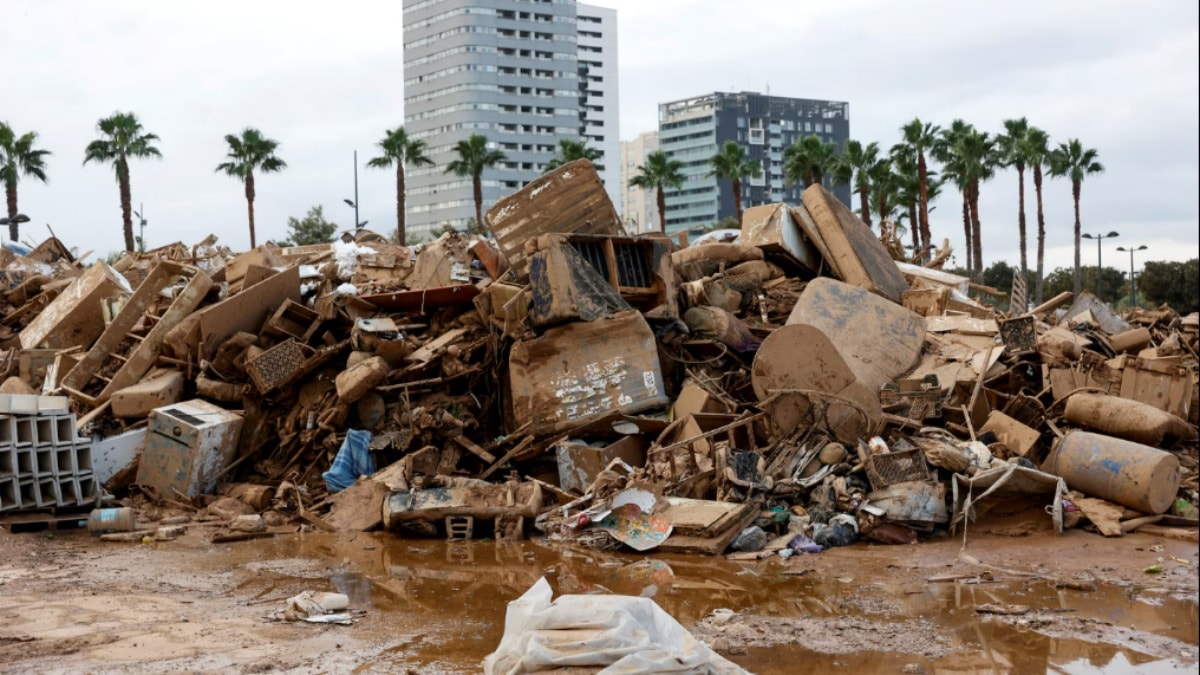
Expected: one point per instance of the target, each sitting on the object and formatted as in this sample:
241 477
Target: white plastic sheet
616 633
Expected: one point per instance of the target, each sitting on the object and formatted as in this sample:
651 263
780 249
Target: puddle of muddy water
440 605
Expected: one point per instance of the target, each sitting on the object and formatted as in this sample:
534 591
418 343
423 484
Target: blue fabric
353 460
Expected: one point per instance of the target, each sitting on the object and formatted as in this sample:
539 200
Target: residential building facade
601 120
692 130
639 211
509 70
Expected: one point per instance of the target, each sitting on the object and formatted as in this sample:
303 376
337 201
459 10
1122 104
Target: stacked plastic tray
43 461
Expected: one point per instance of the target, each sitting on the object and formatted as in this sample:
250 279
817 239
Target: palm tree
571 150
18 157
921 137
1071 160
1014 151
123 138
659 173
904 185
856 163
731 164
808 160
399 149
1038 150
955 170
251 152
473 157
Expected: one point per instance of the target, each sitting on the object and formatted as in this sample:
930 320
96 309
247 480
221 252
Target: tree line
123 138
898 185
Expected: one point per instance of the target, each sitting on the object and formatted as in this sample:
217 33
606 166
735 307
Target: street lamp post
141 226
1132 281
353 203
1099 268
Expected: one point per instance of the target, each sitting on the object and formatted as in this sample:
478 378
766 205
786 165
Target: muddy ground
70 603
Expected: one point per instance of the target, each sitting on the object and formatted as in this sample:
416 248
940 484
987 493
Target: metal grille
897 467
633 265
274 367
593 253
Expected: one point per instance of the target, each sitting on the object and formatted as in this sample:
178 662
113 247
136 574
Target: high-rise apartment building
639 211
693 130
523 73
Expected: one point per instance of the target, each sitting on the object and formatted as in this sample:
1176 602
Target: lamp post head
1111 234
349 203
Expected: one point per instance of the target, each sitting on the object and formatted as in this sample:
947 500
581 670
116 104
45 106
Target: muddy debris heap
799 387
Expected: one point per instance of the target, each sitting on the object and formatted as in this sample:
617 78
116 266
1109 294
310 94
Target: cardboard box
578 464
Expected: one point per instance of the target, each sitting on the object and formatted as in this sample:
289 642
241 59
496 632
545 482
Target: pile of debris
794 389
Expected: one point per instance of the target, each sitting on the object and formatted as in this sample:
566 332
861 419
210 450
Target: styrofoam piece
112 454
89 489
53 405
43 462
48 493
65 430
9 500
64 459
8 461
26 462
19 404
83 458
43 430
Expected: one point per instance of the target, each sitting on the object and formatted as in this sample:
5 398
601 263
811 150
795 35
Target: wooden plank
860 257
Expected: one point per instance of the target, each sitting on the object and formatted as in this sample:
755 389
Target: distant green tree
1063 279
122 138
1173 283
808 160
399 150
731 164
1074 162
249 153
999 275
658 174
473 157
311 229
570 150
18 157
858 165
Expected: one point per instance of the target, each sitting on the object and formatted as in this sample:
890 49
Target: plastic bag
618 633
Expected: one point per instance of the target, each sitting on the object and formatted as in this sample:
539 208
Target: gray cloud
325 79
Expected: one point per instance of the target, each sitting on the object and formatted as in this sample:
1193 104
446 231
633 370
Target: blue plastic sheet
353 460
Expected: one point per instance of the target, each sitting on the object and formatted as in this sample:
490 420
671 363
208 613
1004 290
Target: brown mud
70 603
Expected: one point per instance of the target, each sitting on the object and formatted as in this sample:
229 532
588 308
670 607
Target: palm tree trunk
915 227
883 205
1041 232
1078 231
737 200
126 201
401 235
661 200
966 213
10 191
1021 216
976 228
865 205
923 176
478 185
250 205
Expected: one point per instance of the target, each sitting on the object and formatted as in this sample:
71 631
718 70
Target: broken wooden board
246 311
75 318
957 323
567 200
773 229
710 539
861 258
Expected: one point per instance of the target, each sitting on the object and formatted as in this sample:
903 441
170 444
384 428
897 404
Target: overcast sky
326 78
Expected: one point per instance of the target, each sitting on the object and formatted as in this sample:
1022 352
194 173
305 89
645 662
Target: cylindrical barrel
1130 474
111 520
1130 340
